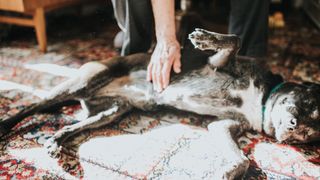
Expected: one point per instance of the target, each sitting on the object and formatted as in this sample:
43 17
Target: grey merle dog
216 83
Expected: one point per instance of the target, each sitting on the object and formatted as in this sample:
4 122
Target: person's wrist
170 41
166 36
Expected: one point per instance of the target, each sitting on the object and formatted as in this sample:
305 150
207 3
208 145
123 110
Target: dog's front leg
224 133
54 144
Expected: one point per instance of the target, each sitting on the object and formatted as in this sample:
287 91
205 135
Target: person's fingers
165 73
177 64
159 77
154 77
149 72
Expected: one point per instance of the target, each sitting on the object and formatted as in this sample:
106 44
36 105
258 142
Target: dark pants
248 19
135 18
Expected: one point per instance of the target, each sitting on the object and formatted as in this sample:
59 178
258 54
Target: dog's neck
267 124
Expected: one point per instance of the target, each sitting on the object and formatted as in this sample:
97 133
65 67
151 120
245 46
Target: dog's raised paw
206 40
202 39
53 148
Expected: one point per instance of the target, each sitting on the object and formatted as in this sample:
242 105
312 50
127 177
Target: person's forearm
167 51
164 18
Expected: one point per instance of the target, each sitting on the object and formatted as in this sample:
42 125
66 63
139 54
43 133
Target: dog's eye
293 122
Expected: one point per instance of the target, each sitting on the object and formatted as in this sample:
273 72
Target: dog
240 93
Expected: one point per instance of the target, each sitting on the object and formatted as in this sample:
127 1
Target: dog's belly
193 92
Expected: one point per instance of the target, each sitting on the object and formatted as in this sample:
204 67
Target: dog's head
293 113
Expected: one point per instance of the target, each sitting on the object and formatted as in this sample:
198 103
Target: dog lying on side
242 94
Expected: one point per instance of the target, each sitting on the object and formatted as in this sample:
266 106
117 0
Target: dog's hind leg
65 91
91 77
226 46
68 90
117 110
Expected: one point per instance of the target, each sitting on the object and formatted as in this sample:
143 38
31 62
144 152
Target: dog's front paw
53 147
202 39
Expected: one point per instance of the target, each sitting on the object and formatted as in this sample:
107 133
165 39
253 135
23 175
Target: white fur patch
220 58
110 111
279 113
252 105
224 140
85 73
84 113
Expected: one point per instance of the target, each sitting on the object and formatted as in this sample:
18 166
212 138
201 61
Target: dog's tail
47 104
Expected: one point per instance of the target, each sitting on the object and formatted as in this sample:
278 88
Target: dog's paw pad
200 39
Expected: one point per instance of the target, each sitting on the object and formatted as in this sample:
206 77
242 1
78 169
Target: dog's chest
251 107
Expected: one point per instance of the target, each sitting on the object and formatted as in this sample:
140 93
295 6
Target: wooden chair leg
40 27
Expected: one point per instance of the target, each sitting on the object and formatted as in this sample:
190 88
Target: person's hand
165 55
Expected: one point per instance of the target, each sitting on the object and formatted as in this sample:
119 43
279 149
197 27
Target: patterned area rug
293 53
